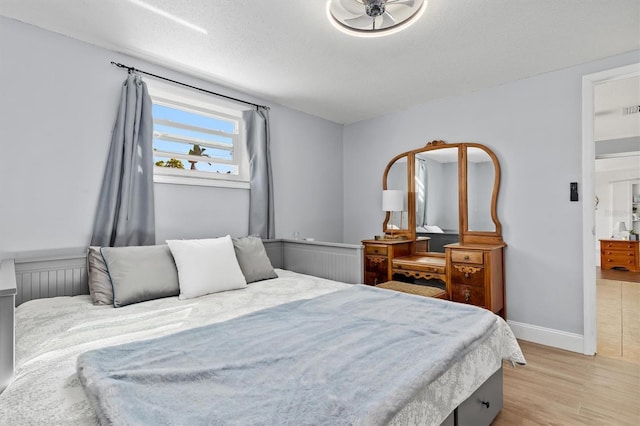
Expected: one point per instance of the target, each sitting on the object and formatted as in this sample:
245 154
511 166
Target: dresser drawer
373 278
614 252
419 266
467 274
376 268
484 404
471 294
618 259
617 245
377 264
373 249
467 256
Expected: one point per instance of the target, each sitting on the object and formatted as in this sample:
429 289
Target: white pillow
434 229
206 266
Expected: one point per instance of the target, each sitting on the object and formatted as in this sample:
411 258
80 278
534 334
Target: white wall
534 127
58 100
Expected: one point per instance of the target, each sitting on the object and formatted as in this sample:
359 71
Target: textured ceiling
288 52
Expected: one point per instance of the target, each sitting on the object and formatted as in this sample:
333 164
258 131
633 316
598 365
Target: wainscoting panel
62 275
51 278
274 252
7 319
339 262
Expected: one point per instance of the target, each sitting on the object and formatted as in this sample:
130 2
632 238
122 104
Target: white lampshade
620 227
392 200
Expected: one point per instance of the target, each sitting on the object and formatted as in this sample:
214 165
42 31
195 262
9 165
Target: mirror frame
399 233
466 236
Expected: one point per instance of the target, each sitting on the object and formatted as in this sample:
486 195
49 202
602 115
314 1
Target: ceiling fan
374 15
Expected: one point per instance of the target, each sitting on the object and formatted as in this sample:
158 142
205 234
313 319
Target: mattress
51 333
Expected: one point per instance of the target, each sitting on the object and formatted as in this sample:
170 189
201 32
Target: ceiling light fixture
168 15
374 18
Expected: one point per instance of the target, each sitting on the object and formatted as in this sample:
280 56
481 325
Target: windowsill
195 181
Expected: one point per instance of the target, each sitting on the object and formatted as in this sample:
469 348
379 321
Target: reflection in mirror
436 187
480 180
397 180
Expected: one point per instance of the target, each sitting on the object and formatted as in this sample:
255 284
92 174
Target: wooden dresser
472 267
475 275
620 253
378 255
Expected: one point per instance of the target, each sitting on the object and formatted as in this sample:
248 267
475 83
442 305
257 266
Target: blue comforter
355 356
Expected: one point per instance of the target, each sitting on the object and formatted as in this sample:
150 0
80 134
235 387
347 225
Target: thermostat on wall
573 191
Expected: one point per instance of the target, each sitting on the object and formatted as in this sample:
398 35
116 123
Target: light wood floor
557 387
617 275
618 319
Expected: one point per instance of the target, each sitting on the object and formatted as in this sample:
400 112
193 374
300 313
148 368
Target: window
196 140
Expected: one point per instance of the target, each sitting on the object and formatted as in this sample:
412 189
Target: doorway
590 83
617 176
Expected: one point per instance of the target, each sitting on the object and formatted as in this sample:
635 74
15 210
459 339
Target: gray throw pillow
141 273
99 283
253 259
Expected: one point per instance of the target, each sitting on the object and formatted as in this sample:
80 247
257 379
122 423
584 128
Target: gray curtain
125 214
261 220
421 192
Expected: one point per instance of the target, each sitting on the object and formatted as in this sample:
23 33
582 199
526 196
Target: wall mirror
436 197
396 178
480 180
452 192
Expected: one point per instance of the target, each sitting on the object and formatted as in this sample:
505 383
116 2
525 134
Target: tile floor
618 319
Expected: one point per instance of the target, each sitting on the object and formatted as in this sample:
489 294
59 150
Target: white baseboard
548 336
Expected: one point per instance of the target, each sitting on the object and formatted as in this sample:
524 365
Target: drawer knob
466 275
466 257
467 296
486 403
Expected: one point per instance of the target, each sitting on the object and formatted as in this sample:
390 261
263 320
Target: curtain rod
132 69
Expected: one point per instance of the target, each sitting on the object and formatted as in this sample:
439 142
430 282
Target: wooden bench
420 290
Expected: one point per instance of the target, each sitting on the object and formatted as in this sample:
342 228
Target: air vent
631 110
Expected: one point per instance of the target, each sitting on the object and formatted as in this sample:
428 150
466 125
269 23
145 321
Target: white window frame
172 95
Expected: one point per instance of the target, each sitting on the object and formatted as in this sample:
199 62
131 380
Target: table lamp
393 201
620 228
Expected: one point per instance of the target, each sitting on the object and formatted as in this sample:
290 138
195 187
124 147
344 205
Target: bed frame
37 275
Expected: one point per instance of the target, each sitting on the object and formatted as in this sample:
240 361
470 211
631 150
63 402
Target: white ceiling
610 99
630 162
287 51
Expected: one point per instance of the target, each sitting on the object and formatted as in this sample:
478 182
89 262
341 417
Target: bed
53 333
437 240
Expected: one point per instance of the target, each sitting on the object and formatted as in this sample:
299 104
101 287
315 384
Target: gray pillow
253 259
99 283
141 273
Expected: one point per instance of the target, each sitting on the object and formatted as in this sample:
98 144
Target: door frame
589 82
